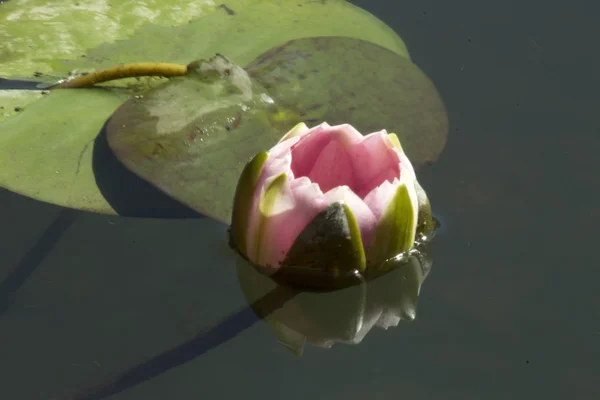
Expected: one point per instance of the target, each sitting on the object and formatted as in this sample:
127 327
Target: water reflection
227 329
320 318
346 315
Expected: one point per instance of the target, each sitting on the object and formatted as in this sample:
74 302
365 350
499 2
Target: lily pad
192 137
8 99
55 37
36 33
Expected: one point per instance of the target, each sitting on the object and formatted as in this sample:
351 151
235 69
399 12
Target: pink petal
284 146
278 162
406 165
283 228
379 198
306 152
271 253
332 168
347 134
280 159
374 162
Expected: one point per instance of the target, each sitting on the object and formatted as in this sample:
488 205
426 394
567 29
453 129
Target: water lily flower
327 197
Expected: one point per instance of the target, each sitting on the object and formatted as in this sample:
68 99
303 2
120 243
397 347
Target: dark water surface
509 311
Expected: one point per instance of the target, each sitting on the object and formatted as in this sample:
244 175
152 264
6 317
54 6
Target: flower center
330 163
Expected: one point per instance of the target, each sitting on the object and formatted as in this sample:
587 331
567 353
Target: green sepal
357 244
395 232
328 250
295 131
242 202
425 224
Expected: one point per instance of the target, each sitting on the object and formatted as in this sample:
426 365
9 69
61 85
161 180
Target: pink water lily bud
327 198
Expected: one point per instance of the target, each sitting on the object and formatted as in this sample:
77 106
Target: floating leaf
192 137
342 80
37 154
22 97
35 34
54 37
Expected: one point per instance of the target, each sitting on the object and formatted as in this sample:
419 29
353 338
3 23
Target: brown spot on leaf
158 149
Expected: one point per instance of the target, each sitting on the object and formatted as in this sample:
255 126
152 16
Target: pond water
509 310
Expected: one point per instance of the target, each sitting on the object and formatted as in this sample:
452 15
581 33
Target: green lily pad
55 37
8 99
37 33
192 137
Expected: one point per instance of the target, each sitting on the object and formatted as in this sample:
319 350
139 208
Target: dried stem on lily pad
132 70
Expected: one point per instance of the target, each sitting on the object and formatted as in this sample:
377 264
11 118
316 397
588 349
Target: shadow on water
34 257
128 194
38 253
226 330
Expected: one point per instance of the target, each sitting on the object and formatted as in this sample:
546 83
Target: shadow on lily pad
128 194
16 84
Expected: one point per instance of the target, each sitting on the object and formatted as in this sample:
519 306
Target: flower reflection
345 315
